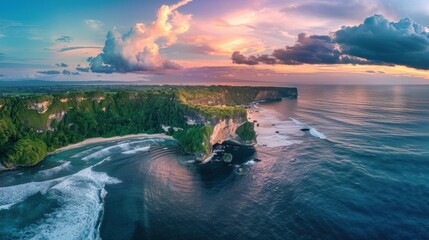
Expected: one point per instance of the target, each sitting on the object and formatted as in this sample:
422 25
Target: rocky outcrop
57 116
225 130
40 107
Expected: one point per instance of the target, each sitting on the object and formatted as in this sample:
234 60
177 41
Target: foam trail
251 162
106 151
86 152
12 195
208 159
313 131
55 170
142 149
81 198
296 122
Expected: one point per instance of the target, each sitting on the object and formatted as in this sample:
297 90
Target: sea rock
227 157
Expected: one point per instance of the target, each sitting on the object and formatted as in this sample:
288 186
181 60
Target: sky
240 42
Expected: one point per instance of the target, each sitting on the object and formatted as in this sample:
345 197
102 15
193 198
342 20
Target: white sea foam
296 122
312 131
86 152
80 197
251 162
12 195
107 151
208 159
271 130
52 171
134 151
6 206
315 133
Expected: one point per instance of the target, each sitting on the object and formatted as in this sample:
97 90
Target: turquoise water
368 179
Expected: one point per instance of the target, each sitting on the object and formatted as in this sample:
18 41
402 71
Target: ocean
361 171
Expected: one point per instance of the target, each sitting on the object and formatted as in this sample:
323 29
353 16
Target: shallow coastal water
368 179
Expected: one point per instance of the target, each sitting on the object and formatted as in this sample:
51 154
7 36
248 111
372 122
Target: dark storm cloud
403 43
61 65
239 58
314 49
66 39
376 41
50 72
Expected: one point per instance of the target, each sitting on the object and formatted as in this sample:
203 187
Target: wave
55 170
86 152
142 149
12 195
80 205
250 162
312 130
107 151
315 133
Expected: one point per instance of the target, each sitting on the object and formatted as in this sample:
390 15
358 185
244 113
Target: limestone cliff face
225 130
40 107
268 95
57 116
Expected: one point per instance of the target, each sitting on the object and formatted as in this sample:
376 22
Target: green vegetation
34 125
246 131
26 152
195 139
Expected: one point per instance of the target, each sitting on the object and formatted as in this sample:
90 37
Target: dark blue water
369 179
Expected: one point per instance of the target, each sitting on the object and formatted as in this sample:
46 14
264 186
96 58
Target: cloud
65 49
67 72
94 24
82 69
239 58
65 39
50 72
314 49
61 65
403 43
374 42
138 49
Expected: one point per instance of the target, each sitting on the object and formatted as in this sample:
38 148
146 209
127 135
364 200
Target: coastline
91 141
101 139
271 130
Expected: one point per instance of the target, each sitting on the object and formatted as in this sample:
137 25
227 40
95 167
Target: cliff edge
197 117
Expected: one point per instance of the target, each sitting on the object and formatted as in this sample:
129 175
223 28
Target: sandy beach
271 130
100 139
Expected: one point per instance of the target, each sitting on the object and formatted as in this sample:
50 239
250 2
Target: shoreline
91 141
101 139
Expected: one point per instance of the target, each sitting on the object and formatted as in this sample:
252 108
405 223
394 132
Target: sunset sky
275 42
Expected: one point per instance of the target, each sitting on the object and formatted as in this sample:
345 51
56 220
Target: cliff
221 108
197 117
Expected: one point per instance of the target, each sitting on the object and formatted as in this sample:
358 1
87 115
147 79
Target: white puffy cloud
138 49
